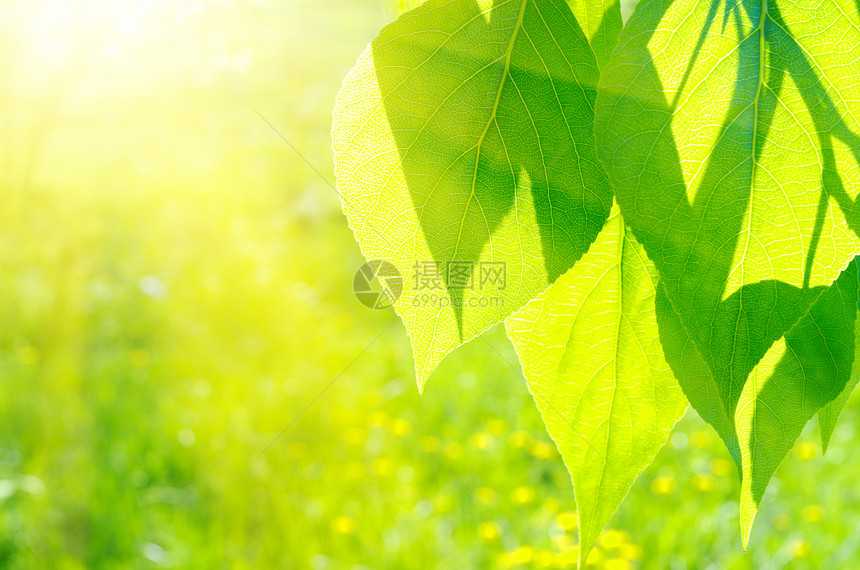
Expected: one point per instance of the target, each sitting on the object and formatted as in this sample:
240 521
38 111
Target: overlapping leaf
799 375
465 157
590 351
828 416
728 131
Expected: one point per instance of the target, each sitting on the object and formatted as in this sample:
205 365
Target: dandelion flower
568 559
612 539
399 427
813 514
489 532
663 485
630 551
383 466
482 440
344 525
544 559
805 450
543 450
378 418
567 520
523 495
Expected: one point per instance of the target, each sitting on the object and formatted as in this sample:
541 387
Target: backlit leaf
590 351
465 157
828 416
729 134
799 375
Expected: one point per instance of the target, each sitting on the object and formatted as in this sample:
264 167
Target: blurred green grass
175 289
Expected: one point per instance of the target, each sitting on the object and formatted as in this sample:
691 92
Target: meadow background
176 288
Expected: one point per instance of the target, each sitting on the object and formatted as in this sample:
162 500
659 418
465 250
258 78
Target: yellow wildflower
543 450
805 450
400 427
563 543
523 495
594 557
522 555
383 466
663 485
567 520
813 514
489 532
378 418
568 559
482 440
344 525
544 559
630 551
611 539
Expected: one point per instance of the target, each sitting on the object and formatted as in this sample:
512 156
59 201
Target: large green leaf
798 376
590 352
601 22
465 157
729 134
828 416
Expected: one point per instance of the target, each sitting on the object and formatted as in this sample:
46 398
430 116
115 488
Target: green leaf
798 376
464 152
828 416
729 134
601 22
590 352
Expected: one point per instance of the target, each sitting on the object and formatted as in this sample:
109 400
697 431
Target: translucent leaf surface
798 376
465 157
729 133
590 351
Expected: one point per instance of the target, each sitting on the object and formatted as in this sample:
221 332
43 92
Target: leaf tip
748 511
